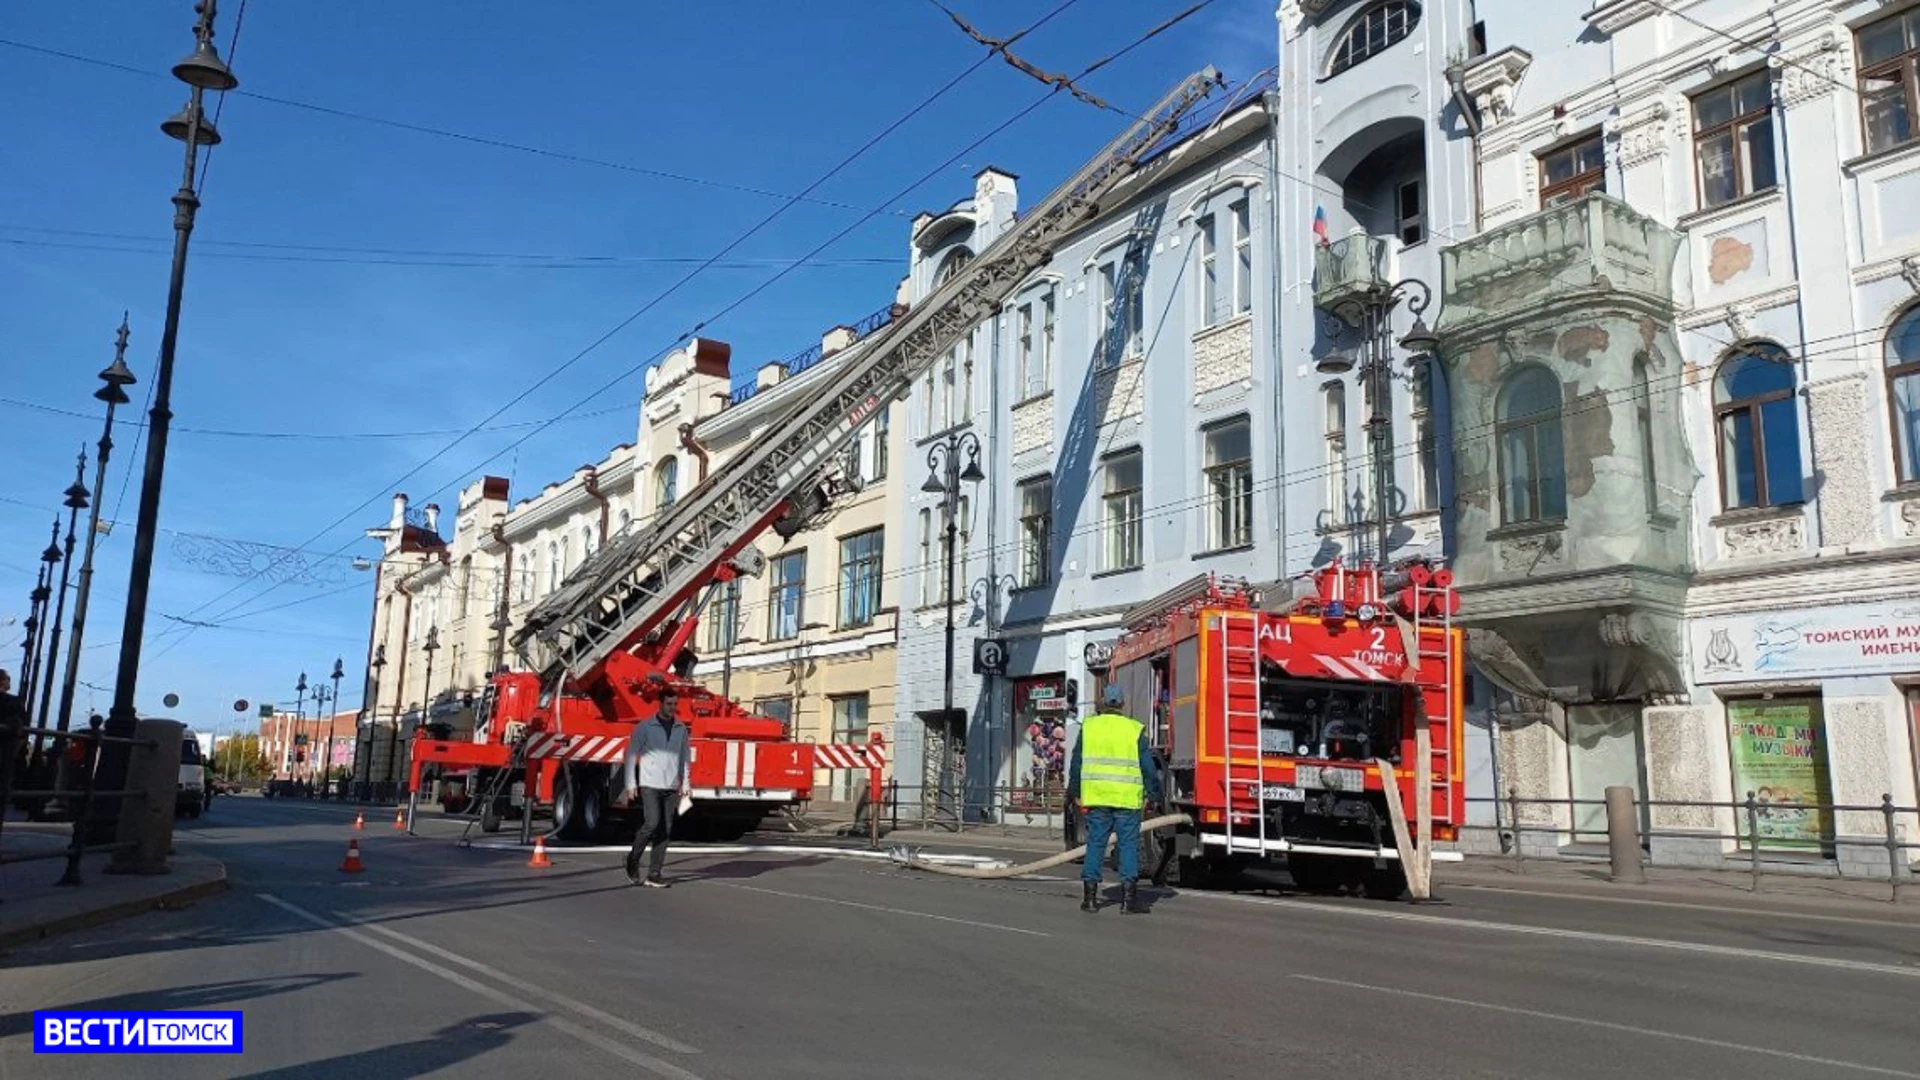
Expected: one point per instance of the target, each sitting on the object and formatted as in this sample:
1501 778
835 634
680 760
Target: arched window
626 518
1533 471
553 566
1759 428
666 484
586 543
1333 430
951 265
466 582
1372 32
1903 393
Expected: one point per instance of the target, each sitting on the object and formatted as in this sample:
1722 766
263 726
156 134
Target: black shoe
633 867
655 881
1130 898
1089 896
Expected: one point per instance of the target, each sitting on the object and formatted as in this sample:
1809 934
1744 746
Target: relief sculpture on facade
1773 537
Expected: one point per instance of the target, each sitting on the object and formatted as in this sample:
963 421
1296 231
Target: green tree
240 758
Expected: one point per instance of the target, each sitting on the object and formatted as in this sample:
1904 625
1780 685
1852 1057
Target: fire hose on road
910 859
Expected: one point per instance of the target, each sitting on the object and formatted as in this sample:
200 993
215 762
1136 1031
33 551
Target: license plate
1276 793
737 793
1330 777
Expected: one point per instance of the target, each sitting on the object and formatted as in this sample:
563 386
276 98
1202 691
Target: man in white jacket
656 770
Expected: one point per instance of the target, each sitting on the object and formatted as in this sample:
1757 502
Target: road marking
1771 913
1631 1029
664 1042
648 1062
886 910
1732 951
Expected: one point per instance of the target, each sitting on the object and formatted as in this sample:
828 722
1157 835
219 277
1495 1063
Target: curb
84 920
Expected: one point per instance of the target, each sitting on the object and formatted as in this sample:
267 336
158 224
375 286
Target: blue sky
319 296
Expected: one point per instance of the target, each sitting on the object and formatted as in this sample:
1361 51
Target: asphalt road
442 960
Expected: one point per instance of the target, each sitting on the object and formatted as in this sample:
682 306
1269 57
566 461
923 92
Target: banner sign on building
1780 756
1847 639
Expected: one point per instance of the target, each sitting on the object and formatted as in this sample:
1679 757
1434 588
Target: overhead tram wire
671 290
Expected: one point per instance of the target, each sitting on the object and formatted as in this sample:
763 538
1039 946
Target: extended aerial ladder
599 650
636 596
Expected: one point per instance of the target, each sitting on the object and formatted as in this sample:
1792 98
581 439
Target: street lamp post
77 497
339 672
946 472
202 70
371 707
1371 313
299 726
113 382
37 618
431 646
322 725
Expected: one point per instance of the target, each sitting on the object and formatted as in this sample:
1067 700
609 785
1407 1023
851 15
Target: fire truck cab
1282 714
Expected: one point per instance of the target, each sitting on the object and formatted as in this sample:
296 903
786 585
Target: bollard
1753 838
1623 836
1513 818
146 821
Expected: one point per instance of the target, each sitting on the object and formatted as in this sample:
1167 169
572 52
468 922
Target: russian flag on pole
1320 225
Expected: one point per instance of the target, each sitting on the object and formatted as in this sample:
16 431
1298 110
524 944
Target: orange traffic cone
359 822
352 865
539 853
399 819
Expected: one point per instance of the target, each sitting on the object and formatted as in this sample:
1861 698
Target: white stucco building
1684 357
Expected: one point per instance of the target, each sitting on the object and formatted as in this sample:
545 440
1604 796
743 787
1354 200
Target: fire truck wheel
1195 872
1387 884
490 817
566 806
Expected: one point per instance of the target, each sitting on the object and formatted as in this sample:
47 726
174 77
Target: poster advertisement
1819 642
1780 755
1040 718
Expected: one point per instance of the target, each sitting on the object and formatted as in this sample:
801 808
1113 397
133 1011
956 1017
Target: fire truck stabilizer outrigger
599 651
1293 726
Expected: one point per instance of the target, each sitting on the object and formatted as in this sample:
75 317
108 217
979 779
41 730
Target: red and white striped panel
597 748
1351 668
849 756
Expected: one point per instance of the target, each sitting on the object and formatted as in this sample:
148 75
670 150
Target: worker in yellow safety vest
1113 776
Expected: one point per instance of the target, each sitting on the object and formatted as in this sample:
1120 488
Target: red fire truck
1280 719
599 651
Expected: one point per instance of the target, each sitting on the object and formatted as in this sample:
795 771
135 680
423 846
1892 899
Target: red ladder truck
1272 716
600 650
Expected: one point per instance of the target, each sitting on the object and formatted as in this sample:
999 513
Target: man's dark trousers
656 820
1125 824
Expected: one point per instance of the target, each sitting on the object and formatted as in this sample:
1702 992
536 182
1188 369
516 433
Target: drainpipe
1457 82
692 446
591 481
1274 290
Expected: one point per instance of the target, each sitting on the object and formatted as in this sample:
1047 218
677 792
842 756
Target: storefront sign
1780 756
1849 639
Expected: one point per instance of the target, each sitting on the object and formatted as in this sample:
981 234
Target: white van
193 778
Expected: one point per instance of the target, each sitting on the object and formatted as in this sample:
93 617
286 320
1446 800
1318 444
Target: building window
554 570
666 484
860 556
1890 79
1242 258
882 435
626 519
950 266
963 395
1426 437
1120 308
1733 139
1533 470
1410 212
1121 502
1759 428
1229 481
466 583
1025 353
1373 32
849 726
1046 342
1036 348
786 592
928 569
1572 171
1333 429
723 617
776 708
587 538
1036 532
1903 393
1212 304
926 401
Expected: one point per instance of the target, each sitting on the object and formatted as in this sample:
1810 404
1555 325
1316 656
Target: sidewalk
33 907
1573 878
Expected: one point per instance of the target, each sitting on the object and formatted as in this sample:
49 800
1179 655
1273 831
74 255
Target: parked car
193 779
